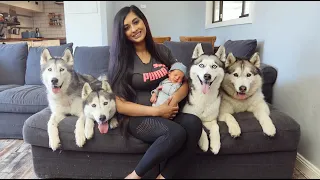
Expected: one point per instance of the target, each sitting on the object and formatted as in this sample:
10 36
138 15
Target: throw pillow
241 48
13 59
91 60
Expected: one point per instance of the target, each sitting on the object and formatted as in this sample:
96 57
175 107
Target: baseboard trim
307 168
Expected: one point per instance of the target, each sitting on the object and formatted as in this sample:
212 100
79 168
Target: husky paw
80 137
269 129
215 143
54 143
215 147
234 130
89 132
204 144
114 123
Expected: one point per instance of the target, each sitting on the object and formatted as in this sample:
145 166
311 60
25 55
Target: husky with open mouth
64 87
241 90
205 76
99 105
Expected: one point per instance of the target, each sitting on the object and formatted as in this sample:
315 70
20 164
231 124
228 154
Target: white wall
290 35
109 18
83 23
106 21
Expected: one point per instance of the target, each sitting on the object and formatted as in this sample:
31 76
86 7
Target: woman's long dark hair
122 55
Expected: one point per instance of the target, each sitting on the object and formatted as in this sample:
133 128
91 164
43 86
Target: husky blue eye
248 75
105 103
236 74
214 66
201 65
61 69
49 69
93 105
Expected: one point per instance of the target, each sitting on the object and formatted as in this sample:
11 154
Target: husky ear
105 86
86 90
67 56
230 60
221 53
255 60
198 51
45 56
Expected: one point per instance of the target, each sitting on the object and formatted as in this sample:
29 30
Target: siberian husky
241 90
205 76
64 87
99 106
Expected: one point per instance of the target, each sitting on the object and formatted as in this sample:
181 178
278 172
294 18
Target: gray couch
23 103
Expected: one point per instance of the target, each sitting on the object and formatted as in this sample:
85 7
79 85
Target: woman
137 65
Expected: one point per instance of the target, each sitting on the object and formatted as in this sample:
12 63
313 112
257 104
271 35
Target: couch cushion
9 86
24 99
32 76
252 139
13 59
241 48
91 60
35 133
182 51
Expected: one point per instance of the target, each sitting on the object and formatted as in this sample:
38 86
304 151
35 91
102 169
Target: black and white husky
205 75
99 106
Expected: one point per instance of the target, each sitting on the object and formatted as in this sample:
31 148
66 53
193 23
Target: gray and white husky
206 74
99 106
64 87
241 91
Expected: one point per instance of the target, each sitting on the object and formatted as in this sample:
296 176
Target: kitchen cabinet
36 6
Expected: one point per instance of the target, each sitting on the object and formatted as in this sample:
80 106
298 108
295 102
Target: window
225 13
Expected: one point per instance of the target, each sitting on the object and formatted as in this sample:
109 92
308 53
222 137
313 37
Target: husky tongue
205 88
56 90
241 96
103 128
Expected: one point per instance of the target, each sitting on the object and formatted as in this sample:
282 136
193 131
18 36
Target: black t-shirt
146 77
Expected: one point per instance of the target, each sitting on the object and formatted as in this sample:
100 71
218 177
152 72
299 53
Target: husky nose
242 88
102 118
54 80
207 77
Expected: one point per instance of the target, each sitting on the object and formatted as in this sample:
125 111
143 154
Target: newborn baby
170 85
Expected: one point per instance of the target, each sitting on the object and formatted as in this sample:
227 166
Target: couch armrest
269 74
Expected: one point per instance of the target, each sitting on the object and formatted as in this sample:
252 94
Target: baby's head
177 72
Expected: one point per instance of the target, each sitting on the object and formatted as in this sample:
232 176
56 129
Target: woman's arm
133 109
180 94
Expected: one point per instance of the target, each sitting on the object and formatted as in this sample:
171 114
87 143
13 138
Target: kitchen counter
31 39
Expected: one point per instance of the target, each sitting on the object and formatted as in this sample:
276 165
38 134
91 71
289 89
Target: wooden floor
16 161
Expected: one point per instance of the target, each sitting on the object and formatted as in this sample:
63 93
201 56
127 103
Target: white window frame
244 20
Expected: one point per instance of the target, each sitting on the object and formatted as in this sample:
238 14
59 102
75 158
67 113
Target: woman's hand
167 111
